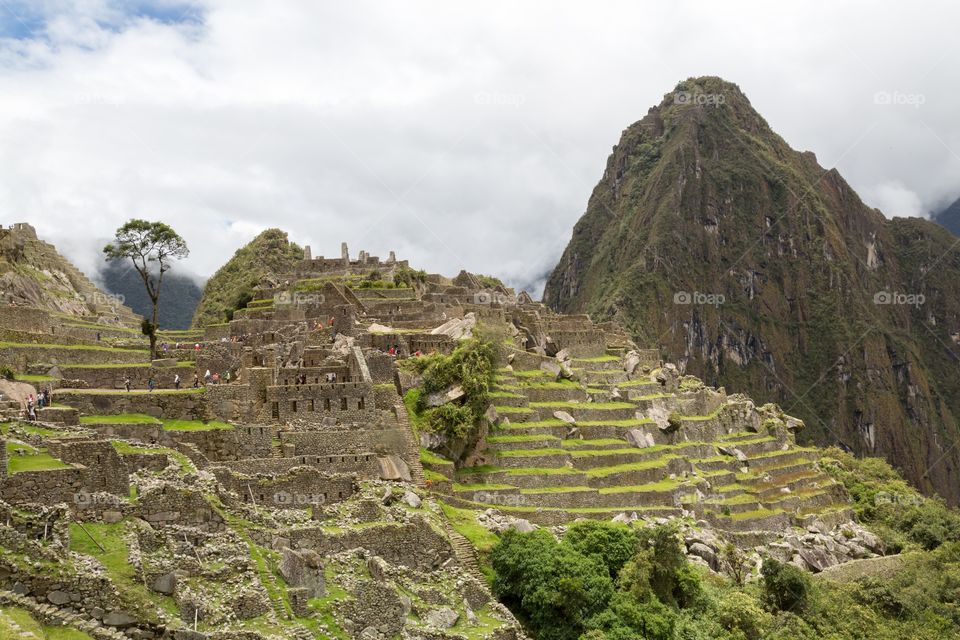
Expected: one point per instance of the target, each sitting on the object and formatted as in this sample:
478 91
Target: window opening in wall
343 404
310 405
276 411
360 403
326 404
293 406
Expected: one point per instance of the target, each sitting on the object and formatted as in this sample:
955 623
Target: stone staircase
411 447
465 553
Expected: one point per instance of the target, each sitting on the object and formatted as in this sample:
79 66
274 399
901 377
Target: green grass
663 485
755 514
464 522
628 422
116 392
508 410
599 442
508 439
481 487
540 490
121 418
524 453
603 472
33 460
582 405
505 394
68 347
553 422
545 471
553 384
135 365
30 377
429 457
606 358
532 373
433 476
194 425
19 623
115 557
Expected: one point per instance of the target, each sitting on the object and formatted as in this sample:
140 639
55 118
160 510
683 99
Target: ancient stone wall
80 377
25 319
186 406
295 489
346 402
249 441
416 544
344 441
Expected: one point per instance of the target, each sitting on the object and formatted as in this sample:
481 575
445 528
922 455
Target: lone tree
146 243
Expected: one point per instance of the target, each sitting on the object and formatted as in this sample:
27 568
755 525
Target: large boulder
448 395
393 467
442 618
303 568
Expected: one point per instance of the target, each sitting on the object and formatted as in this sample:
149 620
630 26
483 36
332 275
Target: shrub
550 585
7 373
612 543
785 587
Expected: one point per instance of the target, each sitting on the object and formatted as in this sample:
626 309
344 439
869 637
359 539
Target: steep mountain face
34 274
950 218
754 267
178 298
268 254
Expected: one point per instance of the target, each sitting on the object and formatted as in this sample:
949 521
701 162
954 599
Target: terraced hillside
649 443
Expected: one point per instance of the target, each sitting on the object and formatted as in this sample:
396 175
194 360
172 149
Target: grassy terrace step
71 347
639 382
556 515
33 459
597 443
195 425
116 392
123 418
113 365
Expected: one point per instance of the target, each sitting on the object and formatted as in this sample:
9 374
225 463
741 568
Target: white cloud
895 200
462 136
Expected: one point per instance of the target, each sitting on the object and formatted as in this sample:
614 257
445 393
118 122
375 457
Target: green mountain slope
268 254
756 268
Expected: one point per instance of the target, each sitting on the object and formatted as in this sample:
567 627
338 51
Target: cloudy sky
459 134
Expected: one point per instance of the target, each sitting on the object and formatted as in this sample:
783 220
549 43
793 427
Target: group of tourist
42 400
208 378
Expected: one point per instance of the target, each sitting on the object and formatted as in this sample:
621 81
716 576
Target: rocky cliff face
754 267
34 274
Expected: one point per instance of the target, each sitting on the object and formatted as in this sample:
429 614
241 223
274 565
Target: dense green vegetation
231 287
892 508
607 581
471 366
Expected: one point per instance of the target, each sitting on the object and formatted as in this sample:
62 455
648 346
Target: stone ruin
291 496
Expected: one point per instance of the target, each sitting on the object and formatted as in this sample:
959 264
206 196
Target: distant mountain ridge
755 268
949 218
179 294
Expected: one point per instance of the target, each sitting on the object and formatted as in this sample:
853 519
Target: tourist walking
176 381
151 383
196 381
126 383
